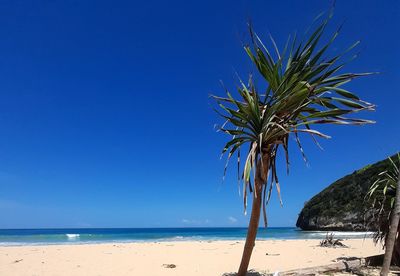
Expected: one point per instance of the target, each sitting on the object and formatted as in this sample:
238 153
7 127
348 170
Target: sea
13 237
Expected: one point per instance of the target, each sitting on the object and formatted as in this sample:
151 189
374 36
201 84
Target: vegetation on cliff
342 205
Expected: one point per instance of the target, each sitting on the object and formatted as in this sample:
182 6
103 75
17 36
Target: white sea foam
179 238
353 233
341 234
72 236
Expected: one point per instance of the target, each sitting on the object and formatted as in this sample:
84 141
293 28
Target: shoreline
34 237
188 257
108 242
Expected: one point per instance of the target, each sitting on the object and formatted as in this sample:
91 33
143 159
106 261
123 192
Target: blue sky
106 119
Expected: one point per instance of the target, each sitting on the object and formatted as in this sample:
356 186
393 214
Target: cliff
342 205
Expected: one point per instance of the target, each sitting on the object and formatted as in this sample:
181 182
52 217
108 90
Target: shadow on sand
249 273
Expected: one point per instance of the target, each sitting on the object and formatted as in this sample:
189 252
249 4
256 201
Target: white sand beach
187 257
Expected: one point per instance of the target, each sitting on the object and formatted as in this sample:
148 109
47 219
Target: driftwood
350 264
329 241
341 265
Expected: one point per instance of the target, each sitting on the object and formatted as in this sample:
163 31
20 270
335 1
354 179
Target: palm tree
385 192
304 89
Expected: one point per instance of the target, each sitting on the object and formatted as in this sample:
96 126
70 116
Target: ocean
114 235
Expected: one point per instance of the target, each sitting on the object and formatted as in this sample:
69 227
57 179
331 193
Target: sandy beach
186 257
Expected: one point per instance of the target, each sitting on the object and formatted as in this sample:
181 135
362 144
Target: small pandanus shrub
304 89
385 195
382 196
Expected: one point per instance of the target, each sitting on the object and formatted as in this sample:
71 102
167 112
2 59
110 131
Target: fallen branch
341 265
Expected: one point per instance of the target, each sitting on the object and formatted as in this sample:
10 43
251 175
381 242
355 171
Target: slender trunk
396 250
252 229
254 219
391 238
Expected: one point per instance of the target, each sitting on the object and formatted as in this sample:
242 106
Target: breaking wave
72 236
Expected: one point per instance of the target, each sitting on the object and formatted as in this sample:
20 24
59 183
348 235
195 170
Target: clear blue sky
105 119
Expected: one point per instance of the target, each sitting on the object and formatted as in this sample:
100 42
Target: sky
106 120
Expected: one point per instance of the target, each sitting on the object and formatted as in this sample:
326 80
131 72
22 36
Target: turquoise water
101 235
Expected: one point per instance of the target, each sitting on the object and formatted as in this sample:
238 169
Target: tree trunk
396 250
252 230
260 179
391 238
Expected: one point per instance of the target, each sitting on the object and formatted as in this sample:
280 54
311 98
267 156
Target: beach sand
188 257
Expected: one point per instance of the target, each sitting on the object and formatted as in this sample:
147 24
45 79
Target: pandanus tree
303 90
385 196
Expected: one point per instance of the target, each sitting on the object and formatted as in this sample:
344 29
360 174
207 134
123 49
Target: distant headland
342 206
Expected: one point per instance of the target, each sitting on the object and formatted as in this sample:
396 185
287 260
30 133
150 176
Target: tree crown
304 89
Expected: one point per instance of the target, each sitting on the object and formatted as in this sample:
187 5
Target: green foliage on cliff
343 201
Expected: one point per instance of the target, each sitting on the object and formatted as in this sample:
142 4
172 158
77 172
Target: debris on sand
17 261
169 265
272 254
